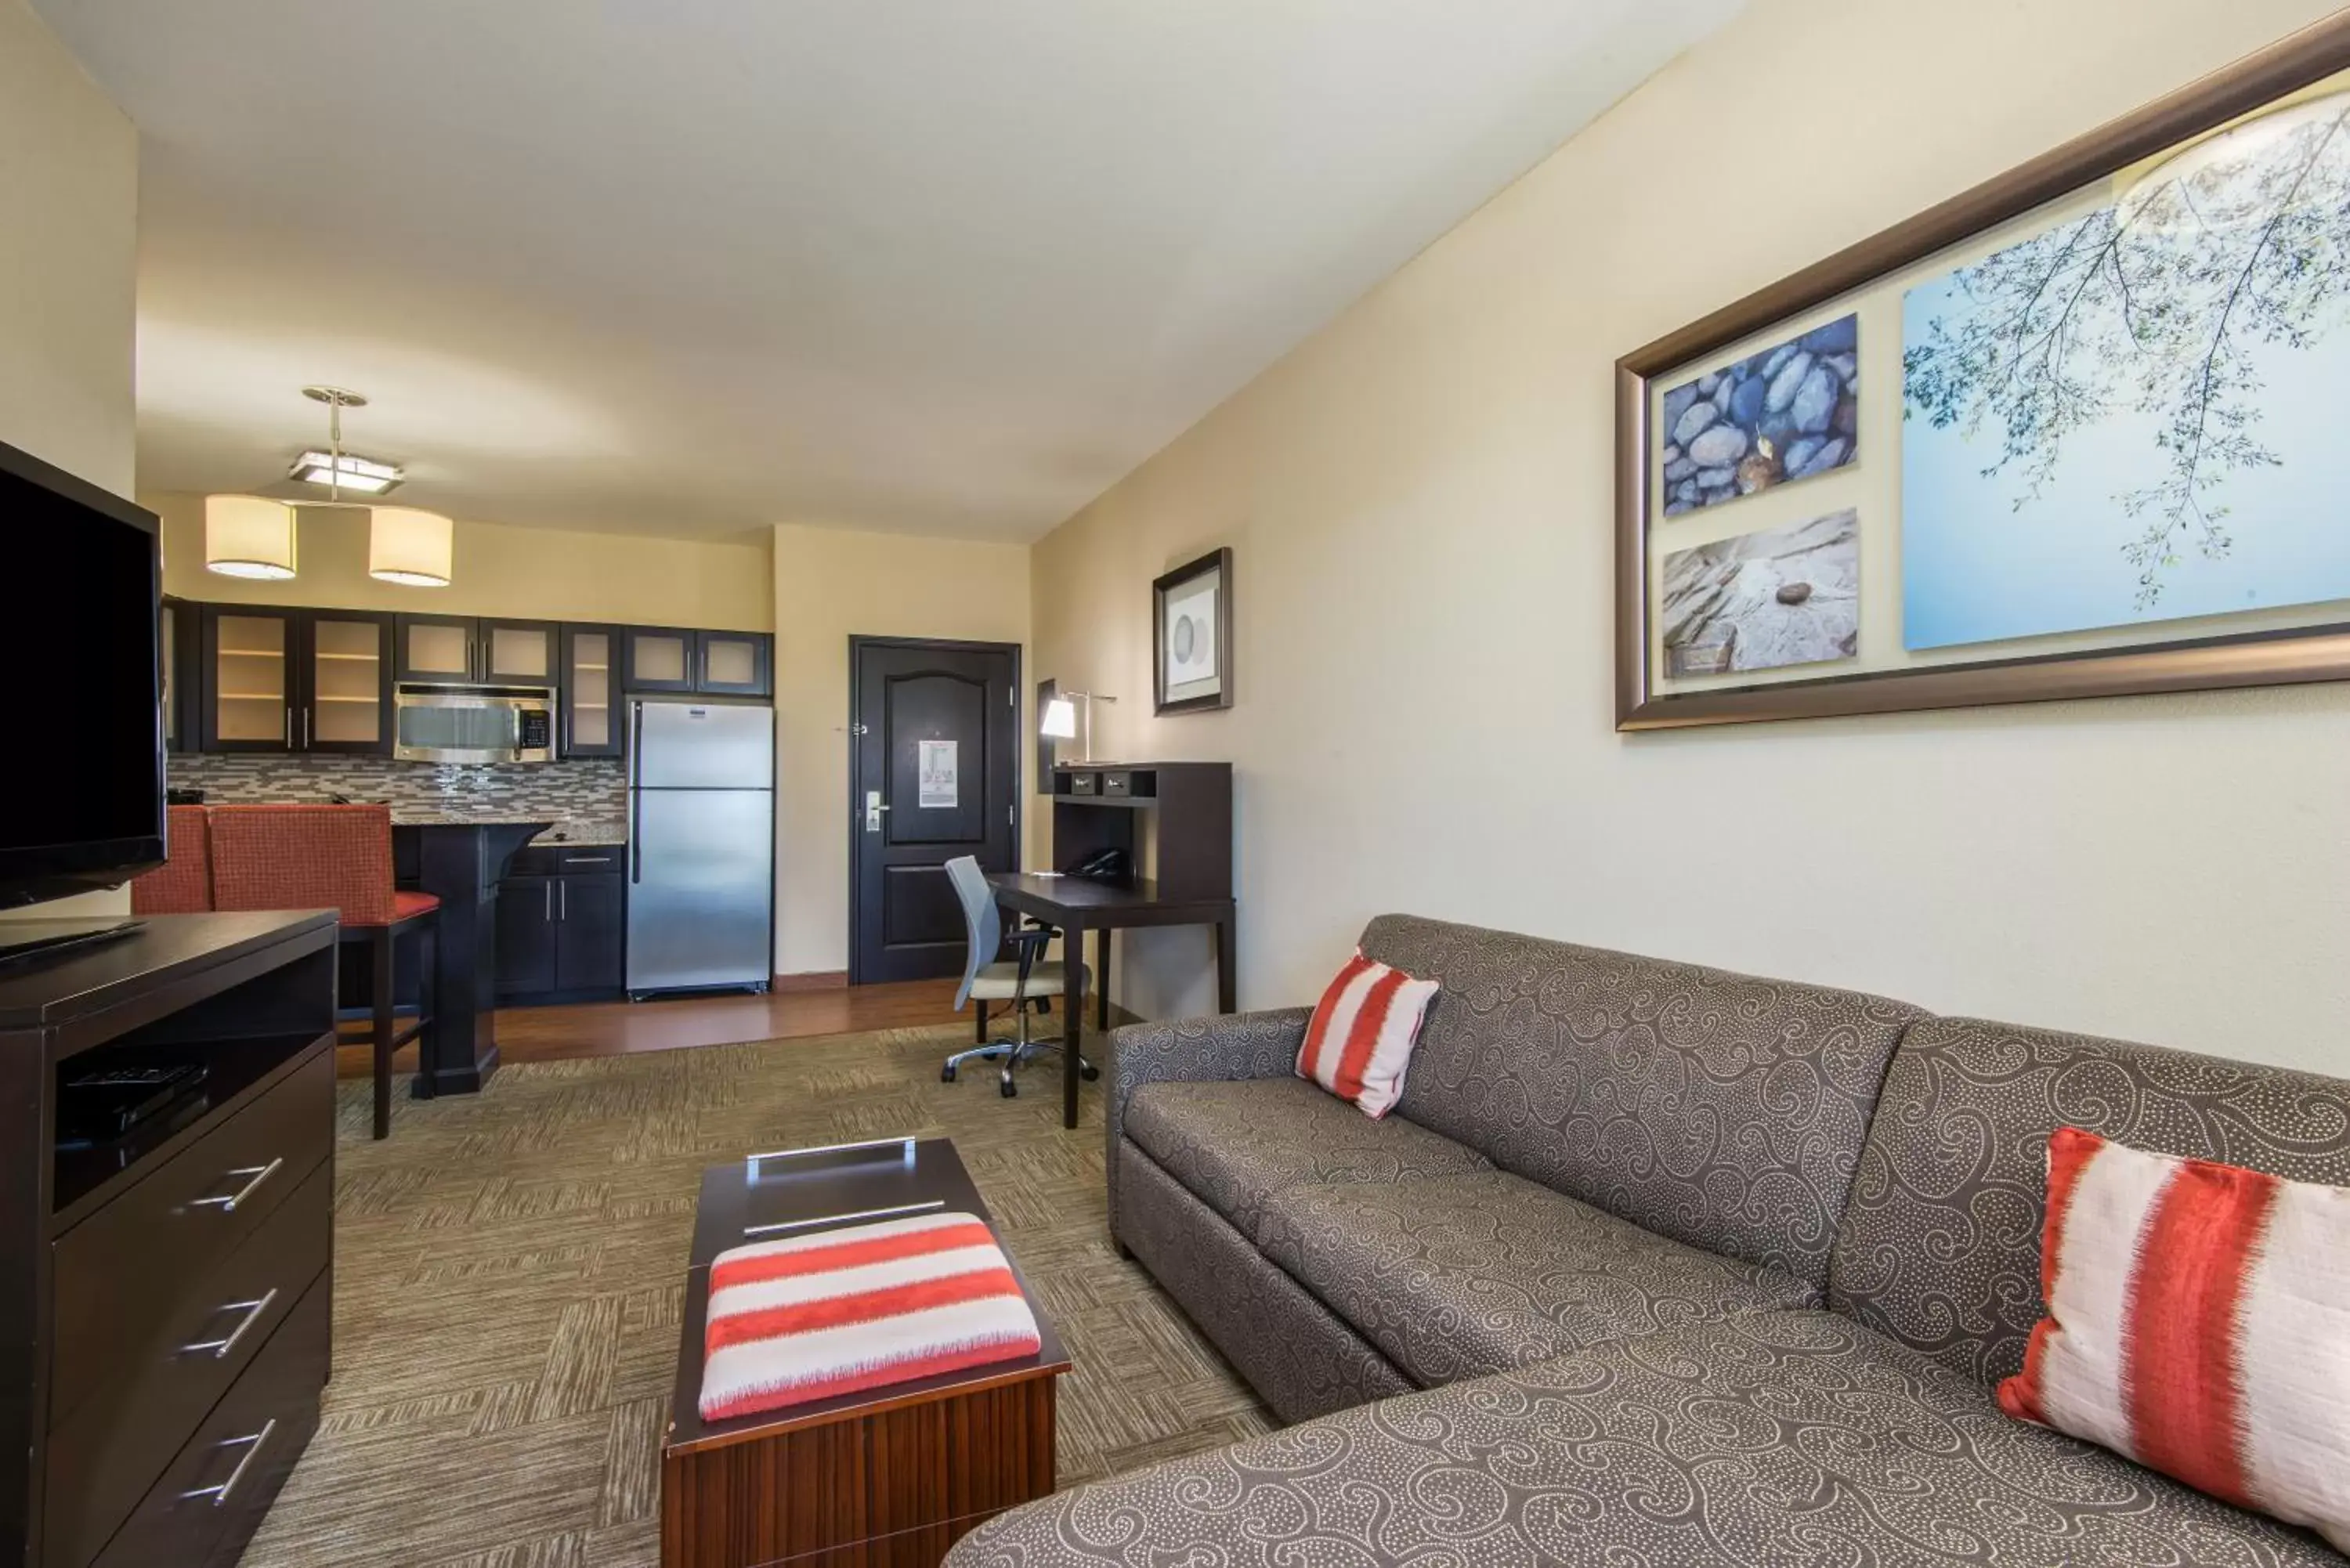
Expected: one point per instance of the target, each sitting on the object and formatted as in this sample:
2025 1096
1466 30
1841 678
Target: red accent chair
334 857
182 885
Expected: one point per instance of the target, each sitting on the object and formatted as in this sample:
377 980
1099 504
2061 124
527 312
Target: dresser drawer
111 1448
211 1497
116 1275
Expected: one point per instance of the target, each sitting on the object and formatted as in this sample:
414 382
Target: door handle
874 807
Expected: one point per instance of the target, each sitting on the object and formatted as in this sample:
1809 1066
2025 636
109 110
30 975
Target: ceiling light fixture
336 469
248 536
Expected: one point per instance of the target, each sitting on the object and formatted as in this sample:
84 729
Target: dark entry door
935 775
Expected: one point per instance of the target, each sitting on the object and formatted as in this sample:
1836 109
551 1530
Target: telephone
1111 865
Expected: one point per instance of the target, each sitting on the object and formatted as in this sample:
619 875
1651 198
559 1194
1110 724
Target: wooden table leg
1073 1018
1228 982
1101 983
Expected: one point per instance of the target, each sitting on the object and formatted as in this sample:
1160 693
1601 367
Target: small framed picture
1192 648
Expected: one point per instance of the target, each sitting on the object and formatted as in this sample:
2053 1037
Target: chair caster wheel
1010 1089
1089 1072
946 1074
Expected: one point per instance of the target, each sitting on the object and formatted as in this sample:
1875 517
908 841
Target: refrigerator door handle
635 796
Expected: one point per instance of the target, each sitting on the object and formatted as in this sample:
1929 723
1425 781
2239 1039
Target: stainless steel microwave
477 724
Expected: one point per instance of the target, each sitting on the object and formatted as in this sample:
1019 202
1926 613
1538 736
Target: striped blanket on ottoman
858 1308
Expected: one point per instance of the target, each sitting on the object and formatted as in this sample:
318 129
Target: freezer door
702 745
702 887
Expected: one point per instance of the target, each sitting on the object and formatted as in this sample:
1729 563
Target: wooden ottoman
888 1478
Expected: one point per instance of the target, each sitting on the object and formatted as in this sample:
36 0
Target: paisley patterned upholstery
1235 1145
1299 1358
1464 1275
1940 1247
1195 1050
1773 1440
1717 1109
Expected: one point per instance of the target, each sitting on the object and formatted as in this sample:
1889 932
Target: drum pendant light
248 536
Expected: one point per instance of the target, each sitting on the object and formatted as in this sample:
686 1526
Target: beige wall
829 585
69 217
539 574
1420 503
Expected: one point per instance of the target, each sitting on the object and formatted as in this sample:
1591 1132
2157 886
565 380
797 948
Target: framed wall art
2067 435
1192 635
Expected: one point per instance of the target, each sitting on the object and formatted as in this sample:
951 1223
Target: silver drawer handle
219 1494
260 1173
252 1310
587 861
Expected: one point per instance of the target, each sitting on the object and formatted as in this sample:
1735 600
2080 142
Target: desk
1075 906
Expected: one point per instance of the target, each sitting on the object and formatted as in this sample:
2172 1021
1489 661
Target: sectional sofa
1653 1264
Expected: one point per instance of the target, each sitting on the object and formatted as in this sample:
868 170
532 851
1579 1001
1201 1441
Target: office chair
1021 982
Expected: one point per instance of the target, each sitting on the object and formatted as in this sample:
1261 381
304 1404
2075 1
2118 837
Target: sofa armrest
1222 1048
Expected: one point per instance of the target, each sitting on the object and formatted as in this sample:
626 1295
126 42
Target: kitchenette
593 803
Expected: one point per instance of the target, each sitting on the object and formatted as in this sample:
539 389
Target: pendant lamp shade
411 547
248 536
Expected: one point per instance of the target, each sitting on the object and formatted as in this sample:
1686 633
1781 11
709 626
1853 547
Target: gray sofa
1653 1264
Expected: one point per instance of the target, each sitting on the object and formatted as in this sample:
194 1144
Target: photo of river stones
1785 413
1766 601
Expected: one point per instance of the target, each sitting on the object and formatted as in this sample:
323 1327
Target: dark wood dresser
165 1297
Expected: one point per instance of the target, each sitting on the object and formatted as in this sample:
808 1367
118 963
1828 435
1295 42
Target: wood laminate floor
509 1267
671 1023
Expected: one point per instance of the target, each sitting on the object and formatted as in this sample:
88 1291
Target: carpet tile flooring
508 1268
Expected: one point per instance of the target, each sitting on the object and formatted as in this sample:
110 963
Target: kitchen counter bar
461 862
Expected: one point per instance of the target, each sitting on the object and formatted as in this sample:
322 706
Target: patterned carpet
508 1269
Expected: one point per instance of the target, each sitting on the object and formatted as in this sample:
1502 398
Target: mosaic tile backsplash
587 800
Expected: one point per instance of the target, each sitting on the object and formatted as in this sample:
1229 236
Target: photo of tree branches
2138 414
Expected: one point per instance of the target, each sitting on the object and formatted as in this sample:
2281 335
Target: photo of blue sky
2134 416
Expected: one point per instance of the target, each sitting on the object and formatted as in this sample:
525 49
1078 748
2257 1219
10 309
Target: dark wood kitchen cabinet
279 680
590 697
477 650
562 924
698 663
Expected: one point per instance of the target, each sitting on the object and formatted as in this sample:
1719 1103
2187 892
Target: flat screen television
81 769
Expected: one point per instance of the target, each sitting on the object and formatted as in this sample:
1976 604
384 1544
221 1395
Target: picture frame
1911 285
1192 635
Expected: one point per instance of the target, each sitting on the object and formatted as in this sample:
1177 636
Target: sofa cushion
1718 1109
1939 1248
1775 1439
1235 1144
1459 1276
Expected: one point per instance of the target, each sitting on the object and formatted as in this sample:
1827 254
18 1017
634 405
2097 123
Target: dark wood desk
1075 906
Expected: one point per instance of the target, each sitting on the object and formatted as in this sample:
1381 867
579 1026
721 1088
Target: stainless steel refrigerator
702 845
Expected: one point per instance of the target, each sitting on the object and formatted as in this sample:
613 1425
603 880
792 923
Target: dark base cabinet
562 925
166 1303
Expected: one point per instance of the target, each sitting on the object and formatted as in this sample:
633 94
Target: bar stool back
334 857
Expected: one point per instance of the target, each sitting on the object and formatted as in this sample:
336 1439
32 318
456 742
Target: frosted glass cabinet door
658 659
346 702
591 682
519 652
249 673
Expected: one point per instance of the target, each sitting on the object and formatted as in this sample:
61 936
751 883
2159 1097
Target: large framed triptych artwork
2082 431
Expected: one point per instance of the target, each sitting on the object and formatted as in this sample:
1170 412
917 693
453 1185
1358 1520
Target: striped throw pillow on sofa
1360 1038
2198 1321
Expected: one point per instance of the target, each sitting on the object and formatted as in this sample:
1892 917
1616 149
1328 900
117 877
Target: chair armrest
1219 1049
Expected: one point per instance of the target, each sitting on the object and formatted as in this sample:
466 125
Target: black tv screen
79 610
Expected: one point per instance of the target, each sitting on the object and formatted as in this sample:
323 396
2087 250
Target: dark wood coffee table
888 1477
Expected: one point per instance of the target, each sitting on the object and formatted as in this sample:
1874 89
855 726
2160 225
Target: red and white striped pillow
859 1307
2198 1321
1360 1038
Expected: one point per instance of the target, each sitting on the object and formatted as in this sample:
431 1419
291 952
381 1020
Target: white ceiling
692 266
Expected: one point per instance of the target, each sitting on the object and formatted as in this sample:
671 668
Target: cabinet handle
252 1441
289 726
252 1310
564 901
587 861
547 913
305 729
259 1173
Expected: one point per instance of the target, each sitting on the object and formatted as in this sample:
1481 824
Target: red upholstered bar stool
334 857
182 885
